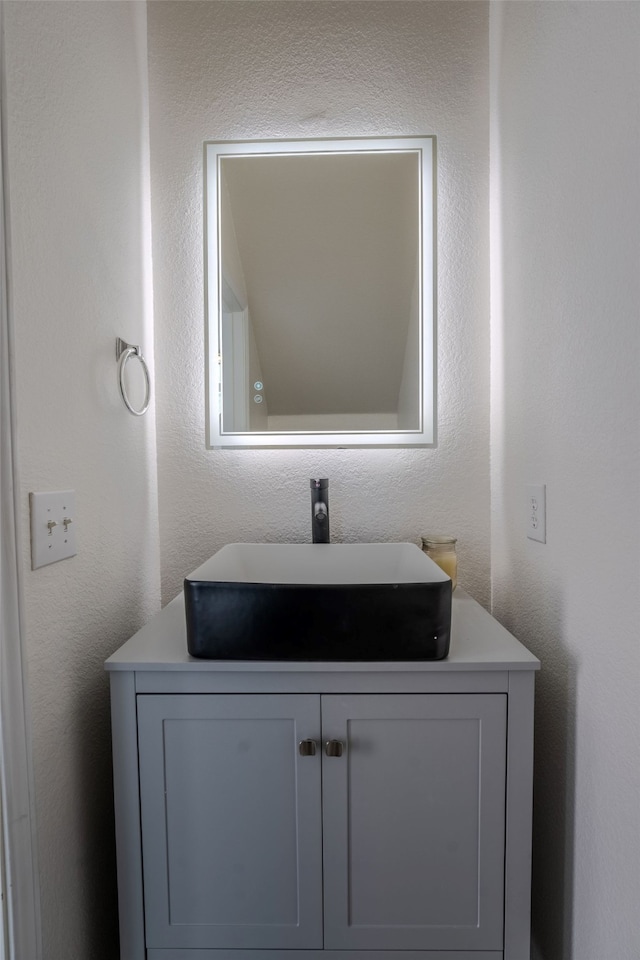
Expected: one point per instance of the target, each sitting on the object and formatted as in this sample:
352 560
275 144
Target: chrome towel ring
124 351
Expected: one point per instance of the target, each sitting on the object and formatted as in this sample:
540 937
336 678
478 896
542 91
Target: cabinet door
231 821
413 815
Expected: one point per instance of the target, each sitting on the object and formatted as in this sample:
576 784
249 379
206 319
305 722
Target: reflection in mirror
320 281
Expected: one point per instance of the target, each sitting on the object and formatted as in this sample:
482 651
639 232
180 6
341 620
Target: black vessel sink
364 601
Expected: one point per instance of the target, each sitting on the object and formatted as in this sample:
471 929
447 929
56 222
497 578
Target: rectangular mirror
320 292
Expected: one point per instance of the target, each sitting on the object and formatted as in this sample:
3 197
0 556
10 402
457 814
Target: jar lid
438 540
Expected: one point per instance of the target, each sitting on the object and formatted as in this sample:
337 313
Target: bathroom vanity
307 810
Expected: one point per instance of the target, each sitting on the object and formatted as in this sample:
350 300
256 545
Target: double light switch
53 532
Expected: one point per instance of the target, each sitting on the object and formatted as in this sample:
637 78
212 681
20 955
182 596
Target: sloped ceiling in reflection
329 251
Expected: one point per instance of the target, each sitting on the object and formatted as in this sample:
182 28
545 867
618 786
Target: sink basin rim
317 565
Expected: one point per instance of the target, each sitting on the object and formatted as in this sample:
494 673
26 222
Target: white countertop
478 642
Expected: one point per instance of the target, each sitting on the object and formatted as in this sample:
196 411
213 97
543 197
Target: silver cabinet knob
333 748
307 748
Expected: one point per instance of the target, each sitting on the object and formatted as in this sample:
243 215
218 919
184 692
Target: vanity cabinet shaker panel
231 825
413 819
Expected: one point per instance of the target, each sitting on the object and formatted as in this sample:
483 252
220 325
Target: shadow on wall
554 795
97 825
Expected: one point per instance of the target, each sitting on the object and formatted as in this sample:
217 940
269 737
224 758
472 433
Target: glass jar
442 551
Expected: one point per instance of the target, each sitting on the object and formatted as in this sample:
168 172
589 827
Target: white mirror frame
425 435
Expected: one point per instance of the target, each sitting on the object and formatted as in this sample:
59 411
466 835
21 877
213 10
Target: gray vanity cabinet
347 811
234 815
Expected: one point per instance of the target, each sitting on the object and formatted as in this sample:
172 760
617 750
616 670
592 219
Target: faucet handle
320 511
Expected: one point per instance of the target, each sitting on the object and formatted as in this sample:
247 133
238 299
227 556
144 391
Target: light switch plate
537 512
53 527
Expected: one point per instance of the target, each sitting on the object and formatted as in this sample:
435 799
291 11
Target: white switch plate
51 538
537 512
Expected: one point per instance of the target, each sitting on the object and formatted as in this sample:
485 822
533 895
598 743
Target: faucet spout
320 511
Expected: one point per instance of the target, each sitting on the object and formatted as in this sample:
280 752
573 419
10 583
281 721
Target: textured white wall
77 134
226 70
566 408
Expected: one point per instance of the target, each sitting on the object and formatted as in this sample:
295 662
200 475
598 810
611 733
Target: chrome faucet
319 511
